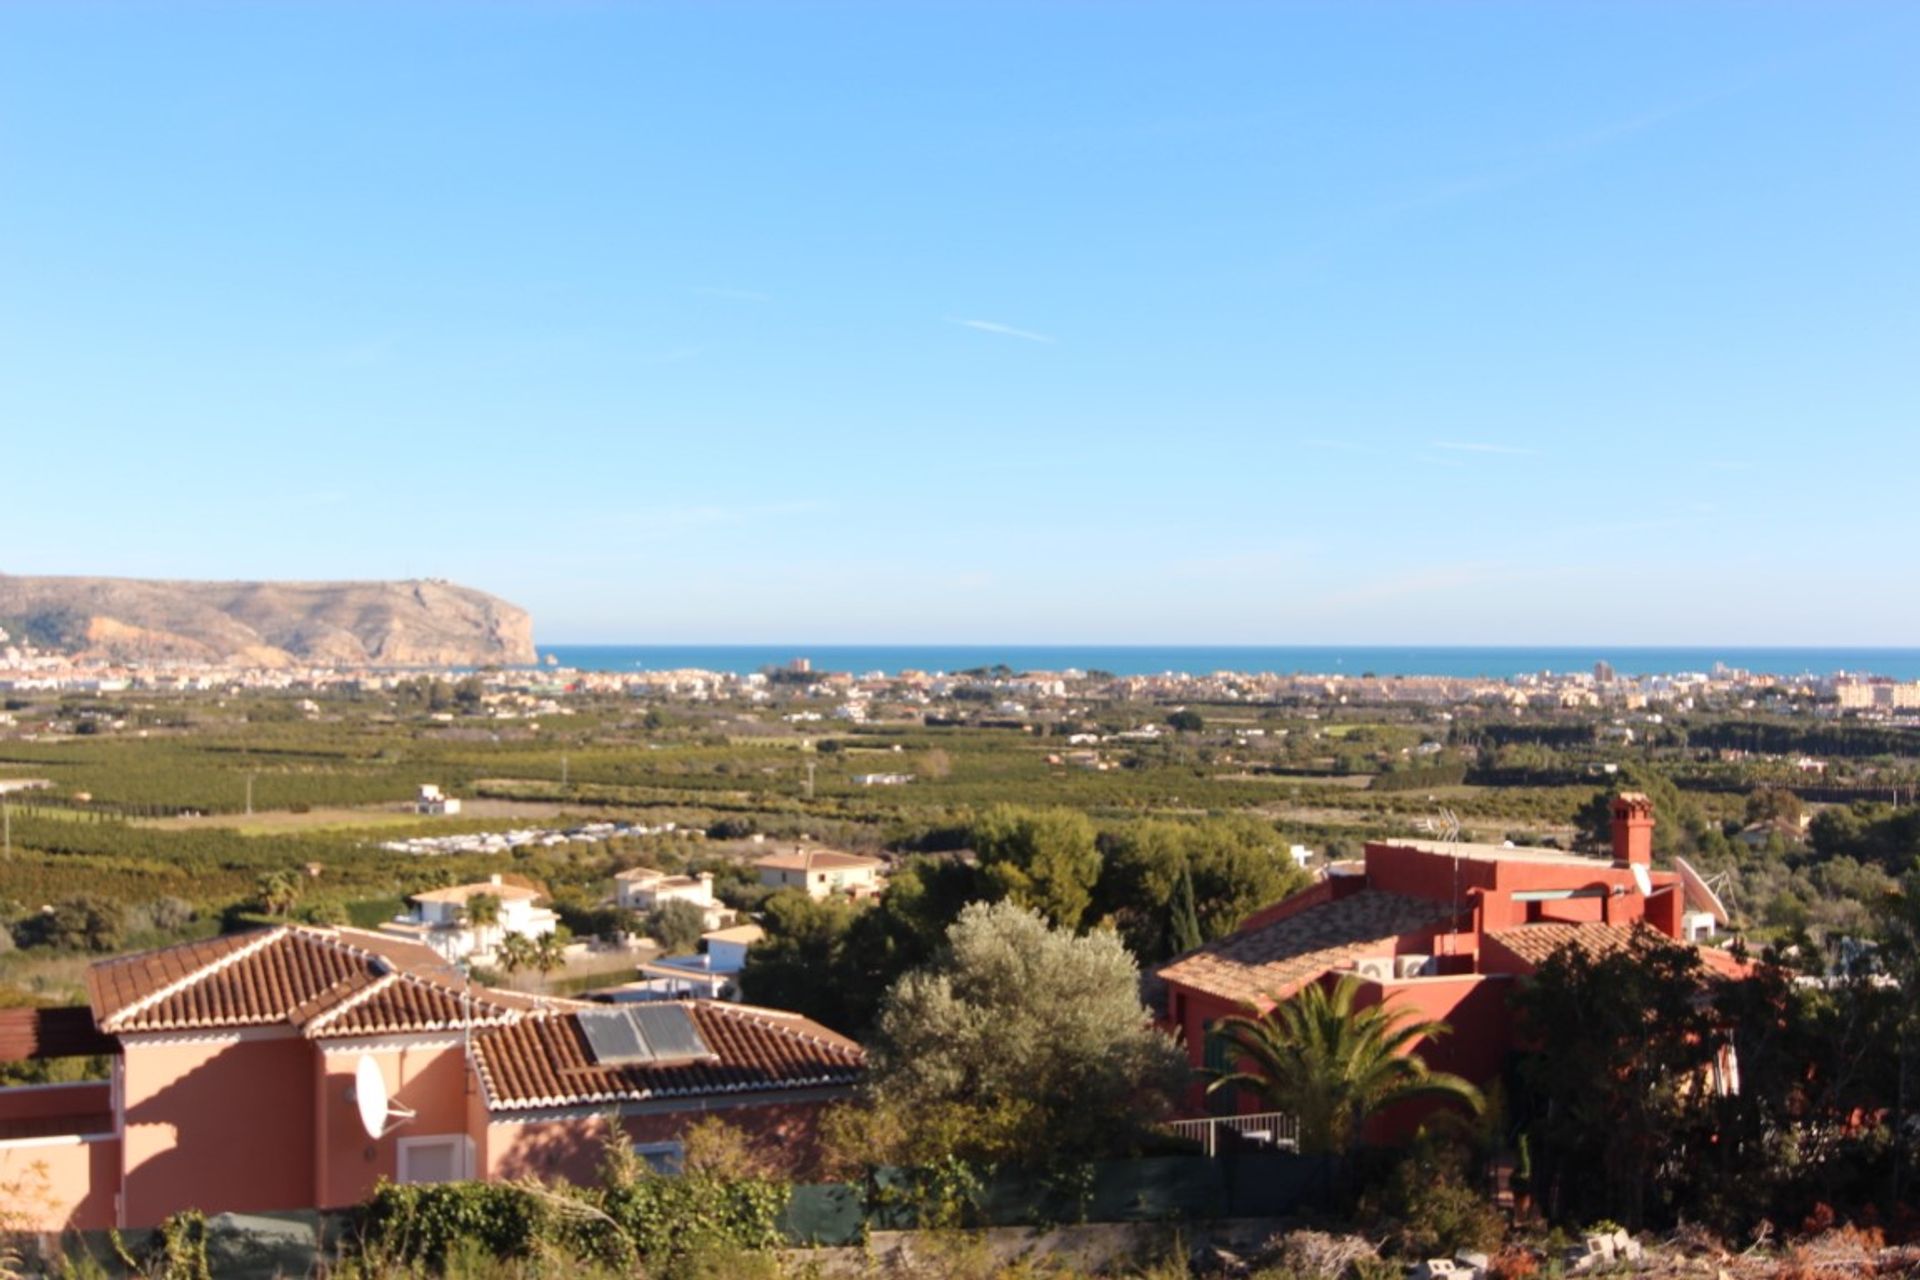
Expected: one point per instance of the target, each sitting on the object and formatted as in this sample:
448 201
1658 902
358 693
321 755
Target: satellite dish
1698 893
1643 879
379 1115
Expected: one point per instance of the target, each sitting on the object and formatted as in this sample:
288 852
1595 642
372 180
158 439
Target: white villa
820 873
713 974
439 919
646 889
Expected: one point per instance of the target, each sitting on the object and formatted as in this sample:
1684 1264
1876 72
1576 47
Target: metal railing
1272 1129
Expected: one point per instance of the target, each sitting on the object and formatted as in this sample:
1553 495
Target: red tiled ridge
543 1060
319 981
402 1002
1266 962
115 986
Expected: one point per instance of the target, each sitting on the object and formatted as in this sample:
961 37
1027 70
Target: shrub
1513 1263
1432 1209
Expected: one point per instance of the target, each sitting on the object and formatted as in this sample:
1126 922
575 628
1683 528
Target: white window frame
462 1156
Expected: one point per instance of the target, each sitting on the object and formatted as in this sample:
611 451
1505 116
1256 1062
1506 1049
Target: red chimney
1632 829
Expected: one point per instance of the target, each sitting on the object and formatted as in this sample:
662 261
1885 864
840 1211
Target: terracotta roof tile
818 860
1533 943
544 1060
320 981
112 985
251 985
1269 961
401 1002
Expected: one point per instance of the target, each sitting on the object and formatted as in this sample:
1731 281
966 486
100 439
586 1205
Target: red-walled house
235 1082
1440 929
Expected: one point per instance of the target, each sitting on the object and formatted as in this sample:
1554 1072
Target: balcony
1262 1131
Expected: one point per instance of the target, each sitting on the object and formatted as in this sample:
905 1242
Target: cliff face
392 624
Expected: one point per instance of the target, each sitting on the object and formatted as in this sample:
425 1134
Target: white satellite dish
1698 893
1642 879
379 1114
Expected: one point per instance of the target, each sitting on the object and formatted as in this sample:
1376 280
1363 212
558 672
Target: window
1217 1055
443 1159
664 1157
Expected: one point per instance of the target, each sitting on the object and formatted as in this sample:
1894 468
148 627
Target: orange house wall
430 1078
216 1125
60 1184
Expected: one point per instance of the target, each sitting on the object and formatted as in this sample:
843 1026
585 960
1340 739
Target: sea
1497 662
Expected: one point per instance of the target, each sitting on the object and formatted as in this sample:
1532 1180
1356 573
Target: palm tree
516 952
1331 1067
279 892
482 911
549 952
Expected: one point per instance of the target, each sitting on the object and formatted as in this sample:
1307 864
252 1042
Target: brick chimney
1632 829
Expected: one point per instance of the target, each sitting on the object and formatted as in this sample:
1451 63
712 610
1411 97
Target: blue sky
1416 323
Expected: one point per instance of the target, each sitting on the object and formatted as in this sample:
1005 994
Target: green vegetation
709 1220
1019 1042
1034 876
1333 1066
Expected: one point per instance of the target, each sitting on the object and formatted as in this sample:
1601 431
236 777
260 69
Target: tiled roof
460 893
747 933
401 1002
320 981
544 1060
1533 943
1269 961
113 985
818 860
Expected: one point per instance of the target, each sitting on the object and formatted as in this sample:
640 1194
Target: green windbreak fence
1156 1189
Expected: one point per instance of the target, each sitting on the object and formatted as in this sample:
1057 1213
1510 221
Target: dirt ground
400 813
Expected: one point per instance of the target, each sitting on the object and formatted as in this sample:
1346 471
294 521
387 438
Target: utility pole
249 795
563 770
810 768
6 829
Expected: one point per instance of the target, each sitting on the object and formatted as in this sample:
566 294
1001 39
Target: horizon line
1751 646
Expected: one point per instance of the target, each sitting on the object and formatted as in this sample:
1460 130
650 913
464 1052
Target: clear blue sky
1247 323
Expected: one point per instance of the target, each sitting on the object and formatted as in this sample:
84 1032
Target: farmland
193 800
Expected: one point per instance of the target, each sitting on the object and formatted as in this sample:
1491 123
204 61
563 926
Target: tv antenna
1445 825
1706 893
380 1115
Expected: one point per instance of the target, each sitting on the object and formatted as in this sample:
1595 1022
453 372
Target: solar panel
613 1038
668 1030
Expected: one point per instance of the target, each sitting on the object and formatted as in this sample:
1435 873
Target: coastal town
705 896
832 640
850 697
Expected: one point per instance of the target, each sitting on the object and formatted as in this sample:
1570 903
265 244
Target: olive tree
1034 1033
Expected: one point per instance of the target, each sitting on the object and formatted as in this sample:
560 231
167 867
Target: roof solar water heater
669 1032
614 1039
